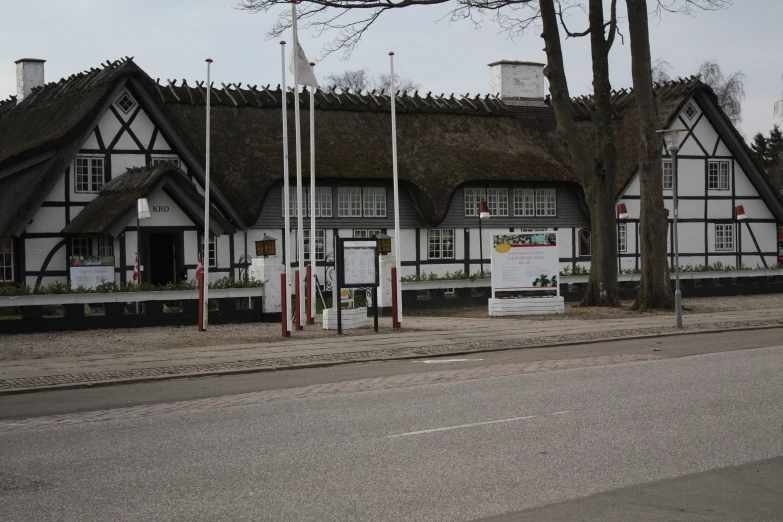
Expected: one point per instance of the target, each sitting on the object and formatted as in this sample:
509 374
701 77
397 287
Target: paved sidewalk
433 336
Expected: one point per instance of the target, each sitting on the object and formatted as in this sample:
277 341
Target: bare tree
778 111
655 289
730 89
660 70
596 165
383 81
355 80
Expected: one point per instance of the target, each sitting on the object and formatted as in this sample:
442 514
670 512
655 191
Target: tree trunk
655 286
598 171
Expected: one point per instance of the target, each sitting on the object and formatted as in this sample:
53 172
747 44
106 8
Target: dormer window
690 111
125 103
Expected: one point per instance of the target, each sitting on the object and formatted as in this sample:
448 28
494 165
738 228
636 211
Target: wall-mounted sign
525 261
91 271
160 208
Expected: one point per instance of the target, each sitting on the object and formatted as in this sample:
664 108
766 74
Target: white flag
304 70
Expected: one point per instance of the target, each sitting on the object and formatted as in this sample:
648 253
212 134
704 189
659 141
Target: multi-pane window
157 160
472 198
668 175
690 111
349 202
374 202
80 246
212 250
89 174
497 201
323 201
585 243
105 246
440 243
622 238
724 236
320 244
6 260
366 232
546 202
718 175
524 202
125 103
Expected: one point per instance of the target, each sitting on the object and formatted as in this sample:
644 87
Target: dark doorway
163 259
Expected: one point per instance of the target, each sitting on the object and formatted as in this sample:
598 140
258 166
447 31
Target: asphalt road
667 439
88 399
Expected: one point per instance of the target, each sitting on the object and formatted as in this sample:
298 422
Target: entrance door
163 259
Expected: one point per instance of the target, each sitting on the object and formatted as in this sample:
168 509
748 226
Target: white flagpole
299 217
286 192
397 251
312 200
205 255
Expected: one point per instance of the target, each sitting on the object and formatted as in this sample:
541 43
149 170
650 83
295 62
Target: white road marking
437 361
433 430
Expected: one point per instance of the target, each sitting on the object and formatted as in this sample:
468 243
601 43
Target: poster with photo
91 271
525 261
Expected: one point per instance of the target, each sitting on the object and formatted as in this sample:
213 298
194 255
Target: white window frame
105 244
157 160
622 237
366 233
95 166
667 173
438 246
349 202
212 250
323 201
579 243
524 202
546 202
374 201
320 244
721 177
473 195
80 246
7 260
724 237
497 201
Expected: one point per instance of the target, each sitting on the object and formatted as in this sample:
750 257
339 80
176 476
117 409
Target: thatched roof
443 141
118 199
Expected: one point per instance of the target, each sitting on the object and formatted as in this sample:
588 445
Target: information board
525 261
91 272
359 263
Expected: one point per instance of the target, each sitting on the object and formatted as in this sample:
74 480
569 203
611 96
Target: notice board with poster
91 271
525 261
358 263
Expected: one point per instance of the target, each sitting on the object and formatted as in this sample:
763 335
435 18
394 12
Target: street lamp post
672 139
142 212
483 215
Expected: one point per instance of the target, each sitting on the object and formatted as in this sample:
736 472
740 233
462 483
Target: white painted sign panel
91 272
359 263
525 261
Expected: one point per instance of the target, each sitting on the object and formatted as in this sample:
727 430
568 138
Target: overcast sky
171 39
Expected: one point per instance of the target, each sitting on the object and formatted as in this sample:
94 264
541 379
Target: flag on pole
199 269
299 65
136 269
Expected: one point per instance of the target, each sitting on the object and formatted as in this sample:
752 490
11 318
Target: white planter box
526 306
352 318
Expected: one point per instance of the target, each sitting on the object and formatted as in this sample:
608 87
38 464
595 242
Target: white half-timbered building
77 153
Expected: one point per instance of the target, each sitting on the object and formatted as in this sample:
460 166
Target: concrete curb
259 369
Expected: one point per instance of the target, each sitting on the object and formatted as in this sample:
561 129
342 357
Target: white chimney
511 80
29 75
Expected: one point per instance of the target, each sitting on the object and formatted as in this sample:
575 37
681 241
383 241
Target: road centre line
447 428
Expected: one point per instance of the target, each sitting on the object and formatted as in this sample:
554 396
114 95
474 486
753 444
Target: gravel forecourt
131 340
